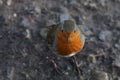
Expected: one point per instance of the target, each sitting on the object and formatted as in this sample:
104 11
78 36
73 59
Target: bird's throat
65 47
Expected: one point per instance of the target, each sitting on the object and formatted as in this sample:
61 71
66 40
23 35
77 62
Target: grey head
68 25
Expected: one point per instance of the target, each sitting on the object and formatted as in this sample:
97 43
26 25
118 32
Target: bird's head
69 31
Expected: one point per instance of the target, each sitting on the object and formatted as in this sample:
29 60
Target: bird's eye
74 31
62 31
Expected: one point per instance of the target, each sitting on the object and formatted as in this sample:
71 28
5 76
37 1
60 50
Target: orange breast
65 48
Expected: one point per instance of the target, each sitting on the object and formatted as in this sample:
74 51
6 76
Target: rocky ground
24 55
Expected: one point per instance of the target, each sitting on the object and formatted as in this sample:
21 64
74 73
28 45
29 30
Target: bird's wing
82 35
51 34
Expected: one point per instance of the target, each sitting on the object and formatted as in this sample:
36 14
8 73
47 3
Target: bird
66 38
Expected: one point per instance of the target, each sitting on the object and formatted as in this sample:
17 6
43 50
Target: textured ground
25 56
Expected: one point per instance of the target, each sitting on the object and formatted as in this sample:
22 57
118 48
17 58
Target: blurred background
24 54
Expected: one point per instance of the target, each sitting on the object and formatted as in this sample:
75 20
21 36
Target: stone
105 35
50 22
102 2
24 22
117 46
1 36
72 2
9 2
14 15
93 5
118 24
32 10
88 33
90 5
64 16
99 75
11 73
43 32
28 33
116 62
1 2
92 58
118 78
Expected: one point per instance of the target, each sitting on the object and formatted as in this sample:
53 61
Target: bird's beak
68 39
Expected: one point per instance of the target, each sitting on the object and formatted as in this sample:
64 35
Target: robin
66 38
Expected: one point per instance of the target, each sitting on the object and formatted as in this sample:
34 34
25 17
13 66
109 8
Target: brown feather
66 48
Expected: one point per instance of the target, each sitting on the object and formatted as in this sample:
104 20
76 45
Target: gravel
24 54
